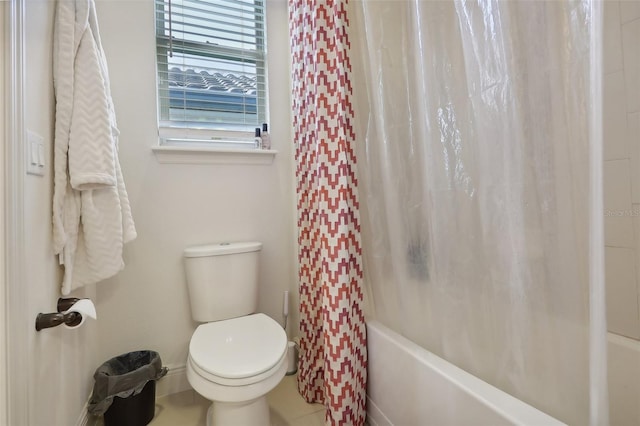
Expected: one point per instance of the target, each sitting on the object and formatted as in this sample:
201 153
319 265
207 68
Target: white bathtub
408 385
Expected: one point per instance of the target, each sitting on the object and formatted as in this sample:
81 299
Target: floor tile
180 409
313 419
286 402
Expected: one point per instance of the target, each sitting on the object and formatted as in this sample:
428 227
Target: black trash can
125 389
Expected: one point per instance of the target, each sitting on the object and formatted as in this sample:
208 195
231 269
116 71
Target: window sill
204 155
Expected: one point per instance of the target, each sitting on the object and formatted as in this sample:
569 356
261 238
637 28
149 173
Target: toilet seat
238 351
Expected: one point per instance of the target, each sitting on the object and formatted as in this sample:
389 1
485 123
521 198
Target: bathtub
408 385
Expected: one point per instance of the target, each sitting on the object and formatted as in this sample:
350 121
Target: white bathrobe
91 214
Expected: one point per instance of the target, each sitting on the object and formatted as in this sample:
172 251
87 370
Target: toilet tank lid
220 249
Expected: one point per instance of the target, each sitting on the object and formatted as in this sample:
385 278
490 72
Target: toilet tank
222 280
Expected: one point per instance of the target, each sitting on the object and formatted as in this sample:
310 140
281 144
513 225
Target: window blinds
211 63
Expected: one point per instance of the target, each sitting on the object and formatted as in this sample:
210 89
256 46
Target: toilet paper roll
85 308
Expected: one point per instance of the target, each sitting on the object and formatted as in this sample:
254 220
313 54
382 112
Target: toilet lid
239 347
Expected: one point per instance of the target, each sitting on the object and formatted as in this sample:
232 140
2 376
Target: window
211 68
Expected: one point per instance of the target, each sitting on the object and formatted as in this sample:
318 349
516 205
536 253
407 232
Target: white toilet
236 356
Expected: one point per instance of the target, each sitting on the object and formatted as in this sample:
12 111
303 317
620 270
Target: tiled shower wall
621 87
621 92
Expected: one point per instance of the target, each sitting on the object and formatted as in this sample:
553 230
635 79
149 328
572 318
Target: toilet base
254 413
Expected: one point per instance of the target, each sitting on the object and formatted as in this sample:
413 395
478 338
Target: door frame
17 324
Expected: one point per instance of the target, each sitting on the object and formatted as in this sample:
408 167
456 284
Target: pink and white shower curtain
333 352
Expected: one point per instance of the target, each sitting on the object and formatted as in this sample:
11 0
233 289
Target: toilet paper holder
56 318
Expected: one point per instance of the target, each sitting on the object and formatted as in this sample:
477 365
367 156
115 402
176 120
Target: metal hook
66 304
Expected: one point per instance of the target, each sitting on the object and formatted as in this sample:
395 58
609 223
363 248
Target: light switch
35 154
41 156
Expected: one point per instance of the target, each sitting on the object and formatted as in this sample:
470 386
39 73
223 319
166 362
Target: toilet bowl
236 356
234 363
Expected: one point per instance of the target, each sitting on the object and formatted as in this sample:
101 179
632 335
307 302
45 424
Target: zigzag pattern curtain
333 353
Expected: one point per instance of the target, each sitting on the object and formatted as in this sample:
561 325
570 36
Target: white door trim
4 421
18 326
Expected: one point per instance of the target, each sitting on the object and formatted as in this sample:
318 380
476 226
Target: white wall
621 90
176 205
146 306
61 362
3 337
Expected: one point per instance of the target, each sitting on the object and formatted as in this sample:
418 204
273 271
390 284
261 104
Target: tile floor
286 405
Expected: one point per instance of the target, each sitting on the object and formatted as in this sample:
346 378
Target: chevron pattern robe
91 213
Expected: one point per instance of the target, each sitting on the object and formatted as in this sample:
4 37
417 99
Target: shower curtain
480 203
333 349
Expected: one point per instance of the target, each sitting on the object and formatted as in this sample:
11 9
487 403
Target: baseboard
375 417
175 381
84 419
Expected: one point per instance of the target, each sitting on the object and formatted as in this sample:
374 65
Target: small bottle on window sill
257 139
266 138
